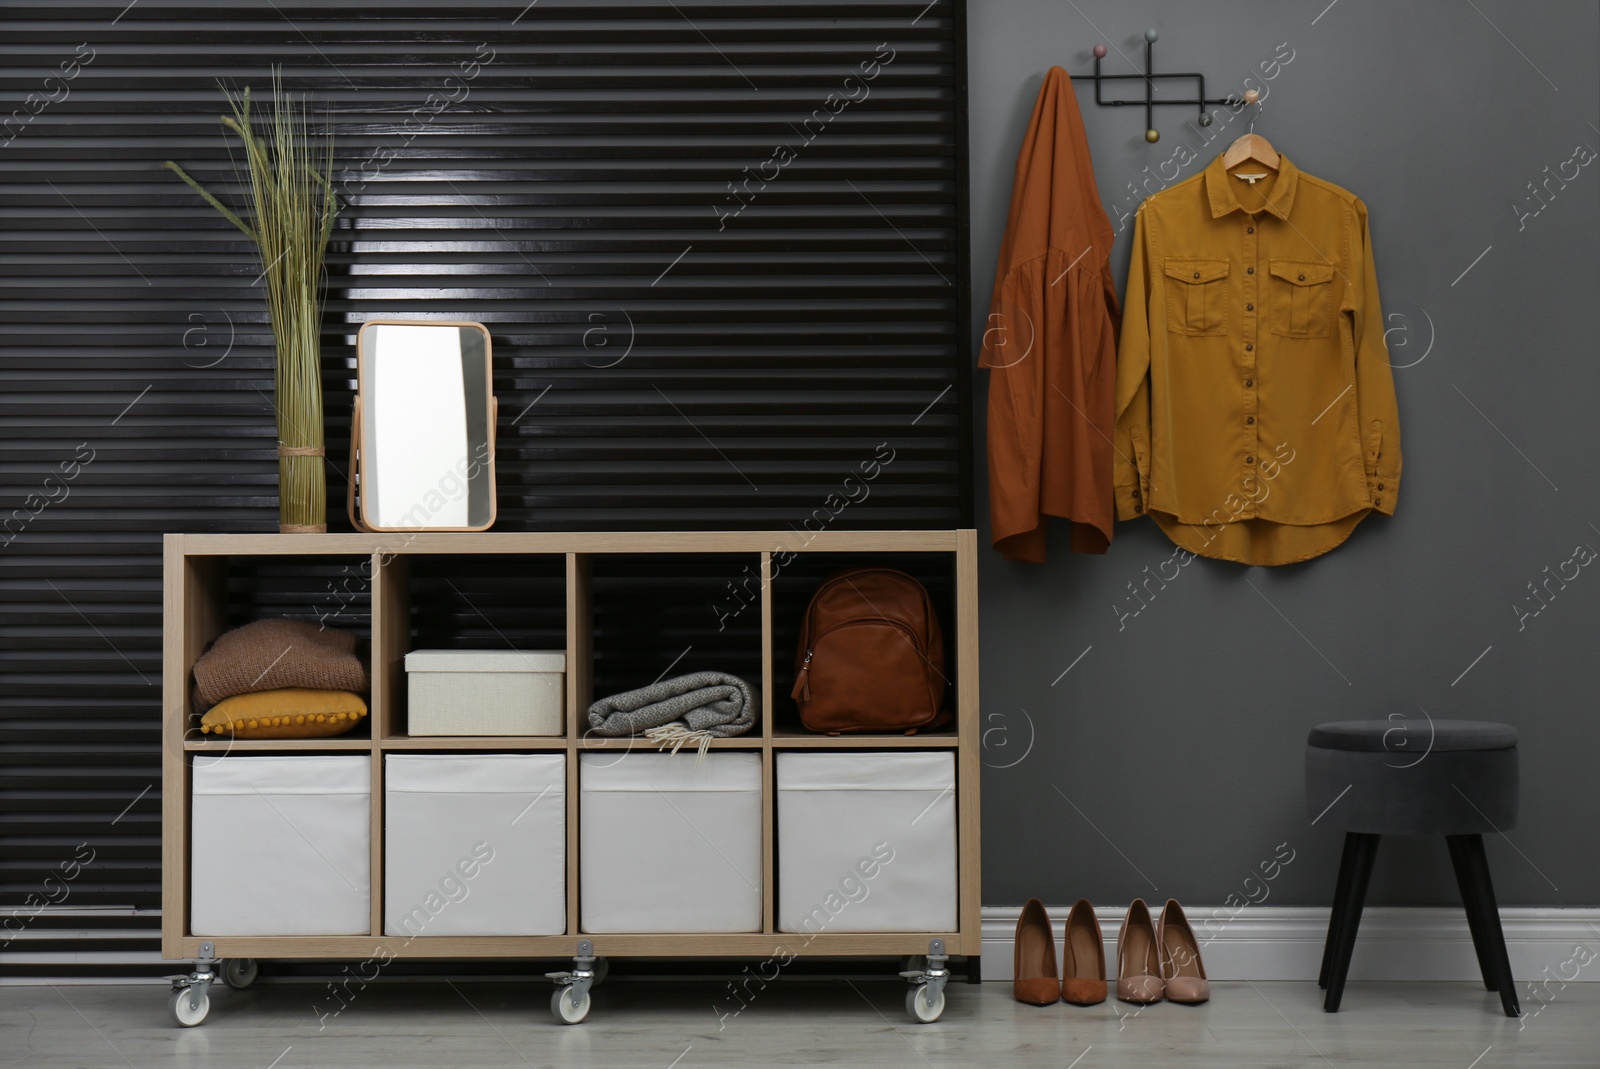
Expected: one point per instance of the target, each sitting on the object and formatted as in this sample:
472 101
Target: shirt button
1252 419
1249 308
1249 230
1248 347
1249 270
1302 278
1197 275
1249 382
1380 486
1249 460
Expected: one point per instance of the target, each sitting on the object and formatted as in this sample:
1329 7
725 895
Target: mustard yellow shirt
1256 415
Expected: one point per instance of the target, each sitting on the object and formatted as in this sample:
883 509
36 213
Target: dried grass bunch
289 217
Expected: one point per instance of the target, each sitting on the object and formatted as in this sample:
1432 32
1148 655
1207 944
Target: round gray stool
1456 778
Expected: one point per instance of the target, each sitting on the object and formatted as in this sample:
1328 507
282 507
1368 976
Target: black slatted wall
720 246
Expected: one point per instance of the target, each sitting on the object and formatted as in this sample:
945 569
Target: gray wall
1168 760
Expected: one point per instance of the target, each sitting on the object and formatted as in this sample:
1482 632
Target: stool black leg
1476 863
1480 942
1340 892
1347 916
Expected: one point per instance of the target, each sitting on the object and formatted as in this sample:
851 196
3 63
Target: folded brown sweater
272 654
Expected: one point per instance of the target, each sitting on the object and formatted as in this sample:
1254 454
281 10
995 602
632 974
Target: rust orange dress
1050 342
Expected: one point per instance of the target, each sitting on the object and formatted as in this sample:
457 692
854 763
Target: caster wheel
566 1009
602 969
189 1006
920 1008
240 973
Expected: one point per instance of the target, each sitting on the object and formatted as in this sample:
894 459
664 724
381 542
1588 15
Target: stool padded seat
1412 735
1401 777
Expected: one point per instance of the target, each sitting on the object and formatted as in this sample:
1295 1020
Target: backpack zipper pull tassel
802 685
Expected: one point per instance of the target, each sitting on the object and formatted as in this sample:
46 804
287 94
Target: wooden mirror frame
357 511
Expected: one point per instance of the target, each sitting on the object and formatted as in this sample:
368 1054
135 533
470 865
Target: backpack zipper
802 683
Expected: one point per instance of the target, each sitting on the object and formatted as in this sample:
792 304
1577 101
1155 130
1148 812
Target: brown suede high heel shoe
1083 957
1184 972
1035 954
1138 957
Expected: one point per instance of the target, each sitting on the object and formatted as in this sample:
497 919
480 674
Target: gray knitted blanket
711 702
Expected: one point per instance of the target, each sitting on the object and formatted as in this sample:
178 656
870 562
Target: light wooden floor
661 1024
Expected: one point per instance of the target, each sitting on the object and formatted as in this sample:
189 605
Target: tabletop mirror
422 436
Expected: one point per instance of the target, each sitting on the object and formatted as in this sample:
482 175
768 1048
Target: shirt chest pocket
1301 298
1197 294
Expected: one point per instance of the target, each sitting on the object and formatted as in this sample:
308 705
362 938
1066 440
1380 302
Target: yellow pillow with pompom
290 713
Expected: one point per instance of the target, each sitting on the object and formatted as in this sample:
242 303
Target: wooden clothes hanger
1251 146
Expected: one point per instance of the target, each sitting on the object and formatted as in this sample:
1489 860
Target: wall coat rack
1149 78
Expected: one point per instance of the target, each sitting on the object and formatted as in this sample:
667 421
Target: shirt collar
1223 200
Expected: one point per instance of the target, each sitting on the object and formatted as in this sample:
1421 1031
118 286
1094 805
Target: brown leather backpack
871 655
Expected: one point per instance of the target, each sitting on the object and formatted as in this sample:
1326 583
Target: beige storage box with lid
486 692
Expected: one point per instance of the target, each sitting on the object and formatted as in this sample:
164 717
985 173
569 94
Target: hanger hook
1252 96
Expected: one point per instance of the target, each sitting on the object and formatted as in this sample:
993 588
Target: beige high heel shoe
1139 957
1184 972
1034 952
1083 957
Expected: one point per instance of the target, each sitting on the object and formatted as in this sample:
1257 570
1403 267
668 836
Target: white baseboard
1257 943
1395 942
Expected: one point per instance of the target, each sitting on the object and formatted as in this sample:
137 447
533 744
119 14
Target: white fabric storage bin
475 844
280 846
866 842
670 844
486 692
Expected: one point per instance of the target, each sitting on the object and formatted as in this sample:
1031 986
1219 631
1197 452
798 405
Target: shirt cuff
1385 490
1130 502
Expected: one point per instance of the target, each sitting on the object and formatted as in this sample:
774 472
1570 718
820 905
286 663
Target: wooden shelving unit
196 613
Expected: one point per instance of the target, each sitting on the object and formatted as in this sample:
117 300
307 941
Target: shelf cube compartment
684 613
670 842
866 842
475 844
280 845
796 579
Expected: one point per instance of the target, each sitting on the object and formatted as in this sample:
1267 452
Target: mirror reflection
427 425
